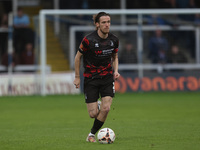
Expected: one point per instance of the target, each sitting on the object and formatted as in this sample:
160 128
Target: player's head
102 22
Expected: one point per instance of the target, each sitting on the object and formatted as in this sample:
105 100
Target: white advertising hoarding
29 84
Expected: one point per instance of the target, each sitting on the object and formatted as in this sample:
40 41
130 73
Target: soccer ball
106 136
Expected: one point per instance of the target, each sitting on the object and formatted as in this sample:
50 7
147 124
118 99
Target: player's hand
77 82
116 75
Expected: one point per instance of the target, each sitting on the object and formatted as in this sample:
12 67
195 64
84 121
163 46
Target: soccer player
100 60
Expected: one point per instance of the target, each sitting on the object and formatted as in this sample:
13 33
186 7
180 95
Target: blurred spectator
128 54
85 4
15 59
176 56
158 47
27 56
4 21
3 35
21 20
184 4
197 19
156 20
22 32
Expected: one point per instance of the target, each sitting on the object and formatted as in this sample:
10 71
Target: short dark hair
100 14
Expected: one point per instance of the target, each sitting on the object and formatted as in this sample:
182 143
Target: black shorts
93 88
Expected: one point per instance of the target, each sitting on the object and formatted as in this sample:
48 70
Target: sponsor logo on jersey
105 52
96 44
98 52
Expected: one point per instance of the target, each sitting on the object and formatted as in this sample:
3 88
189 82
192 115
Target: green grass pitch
141 121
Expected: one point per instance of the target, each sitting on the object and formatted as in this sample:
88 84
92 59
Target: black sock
96 126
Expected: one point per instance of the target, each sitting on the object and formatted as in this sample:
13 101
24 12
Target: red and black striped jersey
97 54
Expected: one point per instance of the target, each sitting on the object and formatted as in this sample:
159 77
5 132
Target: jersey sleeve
84 46
116 46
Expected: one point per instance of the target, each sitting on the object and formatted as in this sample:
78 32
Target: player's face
104 24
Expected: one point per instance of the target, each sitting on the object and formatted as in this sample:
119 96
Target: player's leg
102 115
105 108
93 113
93 110
91 91
106 92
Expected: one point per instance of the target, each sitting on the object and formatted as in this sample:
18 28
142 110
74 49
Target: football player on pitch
100 60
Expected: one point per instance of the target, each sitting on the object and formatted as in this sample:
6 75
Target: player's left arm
115 63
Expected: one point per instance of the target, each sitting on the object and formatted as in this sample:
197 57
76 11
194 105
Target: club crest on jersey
111 43
96 44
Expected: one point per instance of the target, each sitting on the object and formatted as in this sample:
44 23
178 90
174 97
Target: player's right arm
84 46
77 69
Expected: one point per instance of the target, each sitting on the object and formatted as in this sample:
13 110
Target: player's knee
106 109
93 114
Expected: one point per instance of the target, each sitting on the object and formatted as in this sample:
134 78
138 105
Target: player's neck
102 35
